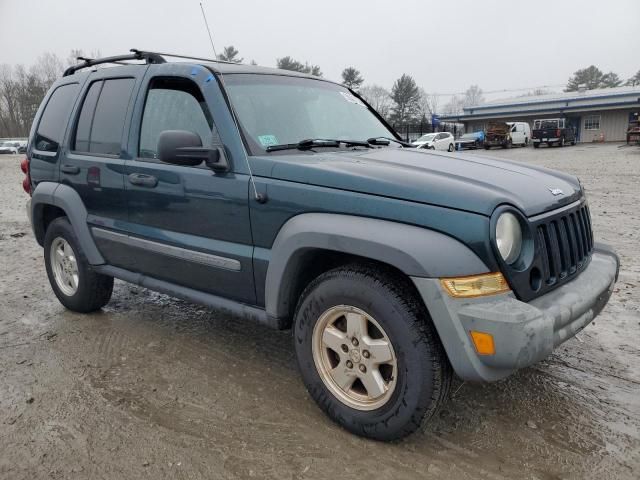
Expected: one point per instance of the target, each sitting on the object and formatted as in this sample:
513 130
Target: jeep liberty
286 199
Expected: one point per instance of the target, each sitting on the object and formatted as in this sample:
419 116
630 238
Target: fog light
475 285
483 343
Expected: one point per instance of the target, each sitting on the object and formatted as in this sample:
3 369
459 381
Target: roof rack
148 57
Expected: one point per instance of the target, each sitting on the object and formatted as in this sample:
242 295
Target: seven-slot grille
565 243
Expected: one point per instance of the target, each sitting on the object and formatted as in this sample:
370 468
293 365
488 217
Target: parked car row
13 146
554 131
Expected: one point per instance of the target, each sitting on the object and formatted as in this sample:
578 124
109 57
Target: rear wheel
561 142
368 352
536 145
487 147
73 281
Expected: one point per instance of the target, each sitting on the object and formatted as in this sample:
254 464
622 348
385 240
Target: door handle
143 180
70 169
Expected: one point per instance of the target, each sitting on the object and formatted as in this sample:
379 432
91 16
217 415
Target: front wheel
536 145
451 148
368 352
561 142
73 281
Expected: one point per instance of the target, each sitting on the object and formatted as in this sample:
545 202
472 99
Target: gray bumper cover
524 333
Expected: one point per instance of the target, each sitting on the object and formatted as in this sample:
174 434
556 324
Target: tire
417 385
573 142
451 148
487 147
536 144
92 290
526 142
561 142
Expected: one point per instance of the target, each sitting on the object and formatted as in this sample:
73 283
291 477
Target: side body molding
415 251
66 198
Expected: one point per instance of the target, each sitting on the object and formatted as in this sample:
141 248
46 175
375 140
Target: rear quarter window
55 117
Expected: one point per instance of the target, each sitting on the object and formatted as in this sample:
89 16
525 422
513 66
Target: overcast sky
445 46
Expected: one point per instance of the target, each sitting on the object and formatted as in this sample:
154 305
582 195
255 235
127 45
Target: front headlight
509 237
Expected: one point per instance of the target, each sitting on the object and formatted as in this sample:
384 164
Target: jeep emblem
556 191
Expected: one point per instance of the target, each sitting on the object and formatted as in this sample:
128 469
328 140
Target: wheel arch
312 243
52 200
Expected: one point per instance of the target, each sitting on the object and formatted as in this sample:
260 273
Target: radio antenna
206 24
260 197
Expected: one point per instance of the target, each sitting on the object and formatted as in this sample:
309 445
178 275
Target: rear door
187 225
517 133
94 164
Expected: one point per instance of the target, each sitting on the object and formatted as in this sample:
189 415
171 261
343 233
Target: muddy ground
156 388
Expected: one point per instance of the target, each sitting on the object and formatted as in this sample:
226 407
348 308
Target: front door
188 225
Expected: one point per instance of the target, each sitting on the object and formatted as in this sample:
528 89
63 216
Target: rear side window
173 104
102 117
55 118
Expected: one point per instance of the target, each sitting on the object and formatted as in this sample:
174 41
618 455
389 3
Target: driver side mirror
180 147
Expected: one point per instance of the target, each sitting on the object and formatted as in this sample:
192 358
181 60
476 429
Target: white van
520 133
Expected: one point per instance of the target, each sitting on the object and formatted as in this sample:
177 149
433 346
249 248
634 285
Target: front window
277 110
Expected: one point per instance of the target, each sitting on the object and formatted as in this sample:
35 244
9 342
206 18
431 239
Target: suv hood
472 183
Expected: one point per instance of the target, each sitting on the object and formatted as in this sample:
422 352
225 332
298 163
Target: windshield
426 138
278 110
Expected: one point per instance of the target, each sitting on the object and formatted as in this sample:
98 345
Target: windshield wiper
310 143
386 140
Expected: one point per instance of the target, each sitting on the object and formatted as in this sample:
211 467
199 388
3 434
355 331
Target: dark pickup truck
553 130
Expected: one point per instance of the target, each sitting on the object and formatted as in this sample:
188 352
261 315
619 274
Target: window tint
173 104
55 117
83 130
109 117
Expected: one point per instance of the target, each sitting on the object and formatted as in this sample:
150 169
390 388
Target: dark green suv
286 199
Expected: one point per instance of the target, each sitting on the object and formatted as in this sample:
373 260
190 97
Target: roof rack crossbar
148 57
188 57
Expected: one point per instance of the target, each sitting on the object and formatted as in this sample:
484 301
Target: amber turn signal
483 343
475 285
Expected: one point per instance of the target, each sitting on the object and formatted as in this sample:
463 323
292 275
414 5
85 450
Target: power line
504 90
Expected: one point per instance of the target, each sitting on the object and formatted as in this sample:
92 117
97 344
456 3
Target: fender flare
67 199
415 251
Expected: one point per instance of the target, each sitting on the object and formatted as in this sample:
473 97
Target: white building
602 114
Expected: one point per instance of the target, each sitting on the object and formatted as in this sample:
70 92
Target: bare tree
473 96
454 106
378 97
21 91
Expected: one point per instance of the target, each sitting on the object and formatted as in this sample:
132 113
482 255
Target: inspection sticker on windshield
266 140
350 98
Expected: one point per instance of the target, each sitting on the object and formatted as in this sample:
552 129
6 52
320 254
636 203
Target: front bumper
524 333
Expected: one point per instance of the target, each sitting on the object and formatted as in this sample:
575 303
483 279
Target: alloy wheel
354 357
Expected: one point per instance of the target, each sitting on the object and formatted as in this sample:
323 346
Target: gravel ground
152 387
